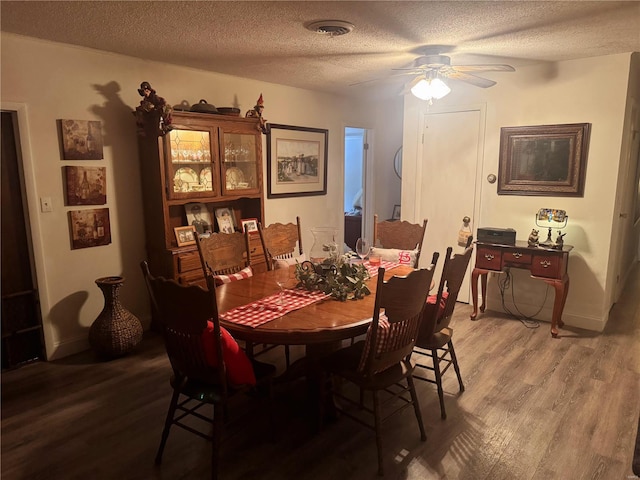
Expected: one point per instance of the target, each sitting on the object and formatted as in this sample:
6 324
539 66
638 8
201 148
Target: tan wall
565 92
46 81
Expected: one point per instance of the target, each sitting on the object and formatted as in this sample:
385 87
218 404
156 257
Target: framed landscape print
89 228
86 185
549 160
296 161
81 139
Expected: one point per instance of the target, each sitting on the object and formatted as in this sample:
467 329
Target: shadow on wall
65 318
125 199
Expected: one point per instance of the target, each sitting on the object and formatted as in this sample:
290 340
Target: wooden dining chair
225 256
399 234
281 241
381 362
208 366
434 346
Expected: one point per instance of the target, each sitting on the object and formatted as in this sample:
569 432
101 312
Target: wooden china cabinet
214 160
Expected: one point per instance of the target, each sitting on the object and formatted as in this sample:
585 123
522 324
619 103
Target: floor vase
116 331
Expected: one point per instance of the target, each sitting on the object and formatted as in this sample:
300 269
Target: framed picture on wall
549 160
81 139
89 228
85 185
296 161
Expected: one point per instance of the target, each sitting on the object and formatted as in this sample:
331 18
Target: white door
449 187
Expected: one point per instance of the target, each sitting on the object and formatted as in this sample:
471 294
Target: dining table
320 326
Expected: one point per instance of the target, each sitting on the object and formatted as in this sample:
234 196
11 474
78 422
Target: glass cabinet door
190 169
240 165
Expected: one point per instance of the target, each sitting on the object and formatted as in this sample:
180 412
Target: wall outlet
45 204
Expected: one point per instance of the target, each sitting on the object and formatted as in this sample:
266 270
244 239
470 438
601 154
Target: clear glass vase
325 247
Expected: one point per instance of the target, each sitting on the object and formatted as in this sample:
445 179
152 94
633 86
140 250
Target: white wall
47 81
565 92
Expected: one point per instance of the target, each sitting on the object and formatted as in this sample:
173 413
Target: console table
546 264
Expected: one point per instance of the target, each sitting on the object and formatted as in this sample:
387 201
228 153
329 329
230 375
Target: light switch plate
45 204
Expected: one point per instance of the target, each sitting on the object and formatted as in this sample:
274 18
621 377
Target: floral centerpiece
335 277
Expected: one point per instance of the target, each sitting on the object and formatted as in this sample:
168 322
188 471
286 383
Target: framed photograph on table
548 160
396 212
185 235
296 161
249 225
224 216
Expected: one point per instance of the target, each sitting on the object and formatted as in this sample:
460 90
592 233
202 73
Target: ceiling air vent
333 28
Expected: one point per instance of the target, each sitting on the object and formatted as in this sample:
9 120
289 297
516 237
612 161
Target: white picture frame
224 216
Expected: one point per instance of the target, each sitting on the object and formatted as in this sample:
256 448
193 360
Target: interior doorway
22 339
355 172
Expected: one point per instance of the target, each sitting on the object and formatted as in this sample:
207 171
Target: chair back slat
223 253
453 272
279 241
396 318
183 313
399 234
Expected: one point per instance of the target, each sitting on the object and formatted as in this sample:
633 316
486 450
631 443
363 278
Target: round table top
325 321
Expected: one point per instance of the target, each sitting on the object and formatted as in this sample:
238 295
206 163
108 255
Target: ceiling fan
439 66
430 70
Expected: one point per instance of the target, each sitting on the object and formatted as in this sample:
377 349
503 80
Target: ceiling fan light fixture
430 88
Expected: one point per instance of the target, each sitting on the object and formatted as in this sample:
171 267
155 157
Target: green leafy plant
342 281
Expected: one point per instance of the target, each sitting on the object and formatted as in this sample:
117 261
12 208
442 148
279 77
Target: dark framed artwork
86 185
89 228
548 160
296 161
81 139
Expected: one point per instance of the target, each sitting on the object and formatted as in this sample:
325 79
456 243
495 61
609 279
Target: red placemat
269 308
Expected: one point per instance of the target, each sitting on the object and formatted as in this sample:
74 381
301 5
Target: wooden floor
534 408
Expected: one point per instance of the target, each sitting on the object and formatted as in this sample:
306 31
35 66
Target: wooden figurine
152 107
257 113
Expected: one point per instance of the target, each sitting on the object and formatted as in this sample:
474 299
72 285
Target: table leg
561 288
474 290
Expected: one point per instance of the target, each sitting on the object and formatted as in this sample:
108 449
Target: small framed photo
198 215
249 225
224 216
396 212
86 185
185 235
81 139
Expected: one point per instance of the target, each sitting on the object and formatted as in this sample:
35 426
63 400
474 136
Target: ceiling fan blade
484 68
468 78
382 79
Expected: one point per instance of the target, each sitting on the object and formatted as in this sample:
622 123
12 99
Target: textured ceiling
268 41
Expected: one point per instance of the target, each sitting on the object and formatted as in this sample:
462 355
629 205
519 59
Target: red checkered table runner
373 269
269 308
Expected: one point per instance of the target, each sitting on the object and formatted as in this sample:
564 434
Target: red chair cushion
431 299
239 367
232 277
